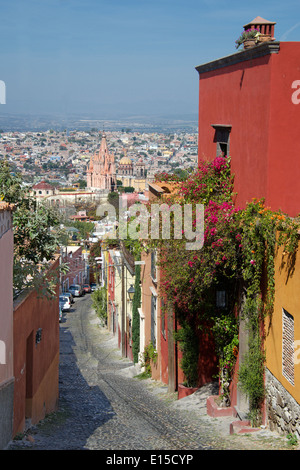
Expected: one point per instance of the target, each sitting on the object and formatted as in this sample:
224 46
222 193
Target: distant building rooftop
42 185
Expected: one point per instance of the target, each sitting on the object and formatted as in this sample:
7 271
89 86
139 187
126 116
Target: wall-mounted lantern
131 292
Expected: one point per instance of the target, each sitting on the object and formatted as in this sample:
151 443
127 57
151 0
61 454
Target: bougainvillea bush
238 250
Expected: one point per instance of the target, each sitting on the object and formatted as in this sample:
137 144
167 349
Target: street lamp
131 292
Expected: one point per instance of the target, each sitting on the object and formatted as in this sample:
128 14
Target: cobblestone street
103 406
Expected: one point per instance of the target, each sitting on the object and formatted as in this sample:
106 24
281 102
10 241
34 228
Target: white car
64 302
69 295
76 290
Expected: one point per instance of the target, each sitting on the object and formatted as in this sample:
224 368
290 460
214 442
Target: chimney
265 27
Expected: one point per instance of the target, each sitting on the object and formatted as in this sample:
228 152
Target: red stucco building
249 109
36 357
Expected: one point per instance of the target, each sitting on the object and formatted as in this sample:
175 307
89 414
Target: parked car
86 288
68 294
76 290
64 302
93 286
60 314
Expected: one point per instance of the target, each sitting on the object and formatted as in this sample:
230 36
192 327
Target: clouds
287 33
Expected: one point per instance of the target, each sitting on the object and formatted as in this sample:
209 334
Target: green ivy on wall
135 315
99 303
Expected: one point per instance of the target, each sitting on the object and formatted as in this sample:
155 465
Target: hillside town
61 158
184 246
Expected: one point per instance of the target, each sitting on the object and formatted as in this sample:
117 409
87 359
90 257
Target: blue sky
106 58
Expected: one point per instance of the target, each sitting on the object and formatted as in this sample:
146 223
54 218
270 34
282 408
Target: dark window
153 265
221 138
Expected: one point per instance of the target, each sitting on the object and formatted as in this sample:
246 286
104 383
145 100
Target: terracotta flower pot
264 38
213 409
249 43
185 391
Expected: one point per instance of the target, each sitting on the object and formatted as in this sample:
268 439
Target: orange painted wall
287 297
36 366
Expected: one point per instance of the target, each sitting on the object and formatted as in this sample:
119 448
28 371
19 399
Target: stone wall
283 411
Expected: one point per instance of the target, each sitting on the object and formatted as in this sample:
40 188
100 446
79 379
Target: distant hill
164 124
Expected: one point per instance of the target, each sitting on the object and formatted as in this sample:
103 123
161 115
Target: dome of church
125 161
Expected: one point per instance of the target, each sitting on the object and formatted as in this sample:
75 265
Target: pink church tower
101 171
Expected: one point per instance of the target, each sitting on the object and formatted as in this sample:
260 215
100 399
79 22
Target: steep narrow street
103 406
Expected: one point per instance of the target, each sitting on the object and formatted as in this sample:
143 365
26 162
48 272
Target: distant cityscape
59 151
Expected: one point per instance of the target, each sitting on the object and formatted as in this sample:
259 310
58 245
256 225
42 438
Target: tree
36 235
82 184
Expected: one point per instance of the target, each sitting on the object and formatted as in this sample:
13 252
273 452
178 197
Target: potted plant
248 38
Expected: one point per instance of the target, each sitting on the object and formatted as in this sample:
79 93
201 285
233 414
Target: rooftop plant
245 35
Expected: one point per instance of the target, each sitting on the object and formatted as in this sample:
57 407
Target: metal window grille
288 369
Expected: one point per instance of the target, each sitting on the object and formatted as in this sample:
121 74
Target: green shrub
150 354
251 379
188 344
99 303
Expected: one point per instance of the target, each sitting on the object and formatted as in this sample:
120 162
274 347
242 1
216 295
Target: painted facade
36 357
150 312
283 348
76 261
6 324
118 272
249 109
114 288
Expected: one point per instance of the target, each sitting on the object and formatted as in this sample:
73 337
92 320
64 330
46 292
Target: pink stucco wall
6 294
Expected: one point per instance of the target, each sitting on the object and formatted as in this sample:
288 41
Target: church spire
102 171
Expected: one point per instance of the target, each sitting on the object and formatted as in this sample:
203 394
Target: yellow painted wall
287 296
